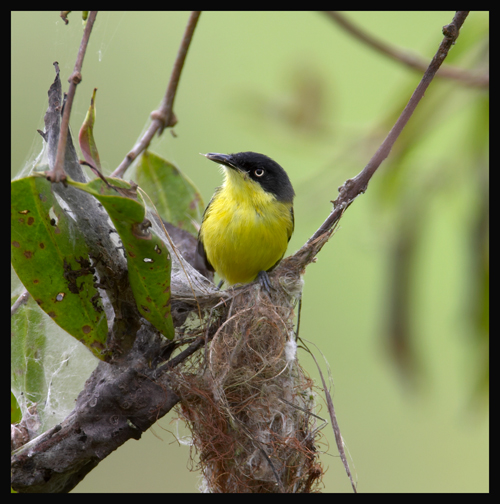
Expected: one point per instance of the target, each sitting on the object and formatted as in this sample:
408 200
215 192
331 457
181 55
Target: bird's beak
224 159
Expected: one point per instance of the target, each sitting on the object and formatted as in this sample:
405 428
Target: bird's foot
264 281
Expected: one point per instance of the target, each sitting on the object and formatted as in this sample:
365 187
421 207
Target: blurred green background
397 299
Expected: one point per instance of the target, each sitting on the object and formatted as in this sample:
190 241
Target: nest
249 404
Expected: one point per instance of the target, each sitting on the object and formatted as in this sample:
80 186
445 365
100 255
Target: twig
336 429
182 356
57 173
164 117
352 188
22 299
411 60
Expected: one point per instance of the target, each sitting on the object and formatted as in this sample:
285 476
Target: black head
260 168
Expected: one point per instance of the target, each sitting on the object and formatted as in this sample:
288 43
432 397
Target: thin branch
411 60
165 113
164 117
335 425
182 356
57 173
352 188
22 299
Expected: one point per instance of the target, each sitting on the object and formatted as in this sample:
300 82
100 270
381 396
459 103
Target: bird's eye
259 172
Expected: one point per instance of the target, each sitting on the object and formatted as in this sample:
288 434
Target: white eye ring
259 172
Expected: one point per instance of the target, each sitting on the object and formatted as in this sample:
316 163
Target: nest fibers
250 406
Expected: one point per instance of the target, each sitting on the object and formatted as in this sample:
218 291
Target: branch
408 59
119 403
164 117
22 299
57 173
352 188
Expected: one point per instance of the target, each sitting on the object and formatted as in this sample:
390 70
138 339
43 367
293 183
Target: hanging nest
247 401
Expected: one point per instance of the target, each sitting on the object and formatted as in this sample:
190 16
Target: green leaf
15 410
176 198
148 259
86 136
50 257
27 351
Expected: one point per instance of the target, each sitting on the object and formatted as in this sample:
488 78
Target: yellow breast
245 230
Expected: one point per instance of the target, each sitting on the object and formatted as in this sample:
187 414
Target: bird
249 221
